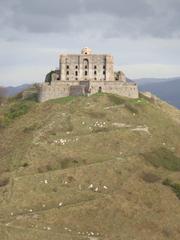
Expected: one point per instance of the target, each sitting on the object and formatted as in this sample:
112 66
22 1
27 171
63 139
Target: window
67 72
95 79
86 73
67 79
76 73
76 79
104 72
86 67
76 67
104 67
95 72
95 67
67 66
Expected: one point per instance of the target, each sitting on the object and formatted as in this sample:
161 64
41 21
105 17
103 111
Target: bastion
86 74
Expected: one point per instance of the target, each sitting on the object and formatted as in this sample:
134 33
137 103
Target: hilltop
100 167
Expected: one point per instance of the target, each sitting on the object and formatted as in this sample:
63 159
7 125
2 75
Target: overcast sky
142 35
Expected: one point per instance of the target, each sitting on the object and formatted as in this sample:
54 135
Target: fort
86 74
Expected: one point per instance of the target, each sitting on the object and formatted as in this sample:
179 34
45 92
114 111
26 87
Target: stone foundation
59 89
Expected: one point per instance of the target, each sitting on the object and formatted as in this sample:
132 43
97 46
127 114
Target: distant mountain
12 91
168 90
155 80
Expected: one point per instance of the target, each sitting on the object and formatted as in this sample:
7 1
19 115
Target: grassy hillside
99 167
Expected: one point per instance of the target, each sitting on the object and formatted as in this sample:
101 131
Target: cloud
140 34
160 18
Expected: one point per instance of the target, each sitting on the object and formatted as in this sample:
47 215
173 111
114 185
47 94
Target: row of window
85 73
95 67
77 79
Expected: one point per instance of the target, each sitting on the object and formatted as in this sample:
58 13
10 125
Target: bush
163 157
17 110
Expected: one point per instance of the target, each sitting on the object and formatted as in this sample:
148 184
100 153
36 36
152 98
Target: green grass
107 156
14 110
163 157
116 100
174 186
62 100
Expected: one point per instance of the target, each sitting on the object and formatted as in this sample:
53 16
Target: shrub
163 157
25 165
17 110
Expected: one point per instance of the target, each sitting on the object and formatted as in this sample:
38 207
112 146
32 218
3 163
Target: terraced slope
101 167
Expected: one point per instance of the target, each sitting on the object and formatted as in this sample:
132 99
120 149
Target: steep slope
101 167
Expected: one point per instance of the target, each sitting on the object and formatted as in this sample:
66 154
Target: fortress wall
122 89
63 89
55 90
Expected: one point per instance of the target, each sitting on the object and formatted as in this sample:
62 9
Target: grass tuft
163 157
174 186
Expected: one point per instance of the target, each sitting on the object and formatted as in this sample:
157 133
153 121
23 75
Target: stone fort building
85 74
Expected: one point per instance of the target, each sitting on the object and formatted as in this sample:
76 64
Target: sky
142 35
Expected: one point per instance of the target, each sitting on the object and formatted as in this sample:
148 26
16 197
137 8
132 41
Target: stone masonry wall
63 89
120 88
86 67
55 90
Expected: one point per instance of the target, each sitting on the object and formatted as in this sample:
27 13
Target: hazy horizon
142 35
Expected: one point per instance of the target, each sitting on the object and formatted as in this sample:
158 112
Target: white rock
43 205
30 210
60 204
12 213
97 189
46 181
48 228
105 187
91 186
